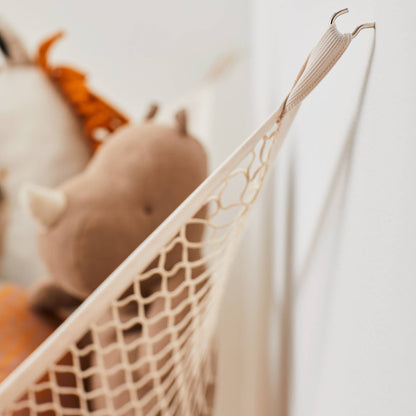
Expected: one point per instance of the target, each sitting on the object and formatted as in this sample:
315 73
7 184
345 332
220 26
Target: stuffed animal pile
94 201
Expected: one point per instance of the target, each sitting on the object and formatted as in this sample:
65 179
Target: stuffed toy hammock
179 361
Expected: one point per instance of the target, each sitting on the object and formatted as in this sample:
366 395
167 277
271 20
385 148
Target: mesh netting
143 342
150 351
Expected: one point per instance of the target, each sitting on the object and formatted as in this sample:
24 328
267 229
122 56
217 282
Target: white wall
352 308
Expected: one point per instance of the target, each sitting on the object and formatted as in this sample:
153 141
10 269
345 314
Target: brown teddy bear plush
91 223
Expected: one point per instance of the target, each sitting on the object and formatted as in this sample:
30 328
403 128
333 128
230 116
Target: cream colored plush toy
47 121
41 140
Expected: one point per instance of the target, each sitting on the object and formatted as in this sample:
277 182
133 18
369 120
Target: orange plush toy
21 329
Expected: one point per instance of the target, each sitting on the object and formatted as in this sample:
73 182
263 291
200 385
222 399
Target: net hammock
160 360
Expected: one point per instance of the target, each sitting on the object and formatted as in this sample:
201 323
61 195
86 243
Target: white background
351 306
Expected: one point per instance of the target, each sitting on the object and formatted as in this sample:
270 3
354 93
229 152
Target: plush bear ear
151 112
45 205
182 121
12 47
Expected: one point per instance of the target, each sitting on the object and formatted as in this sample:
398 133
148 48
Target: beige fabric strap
320 61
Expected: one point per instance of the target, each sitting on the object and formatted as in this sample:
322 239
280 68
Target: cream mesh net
152 353
143 342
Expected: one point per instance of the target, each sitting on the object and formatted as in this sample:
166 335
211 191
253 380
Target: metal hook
337 14
358 29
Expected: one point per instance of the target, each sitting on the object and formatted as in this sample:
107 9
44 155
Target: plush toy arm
46 296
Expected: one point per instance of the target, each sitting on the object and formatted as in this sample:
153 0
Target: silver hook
337 14
358 29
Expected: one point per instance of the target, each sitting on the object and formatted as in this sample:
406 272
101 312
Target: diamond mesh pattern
150 350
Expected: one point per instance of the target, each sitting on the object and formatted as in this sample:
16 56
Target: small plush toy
92 222
48 122
21 329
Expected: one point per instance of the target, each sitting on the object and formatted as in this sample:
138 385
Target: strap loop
322 58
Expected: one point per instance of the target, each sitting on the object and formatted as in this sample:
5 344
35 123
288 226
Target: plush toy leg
46 296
